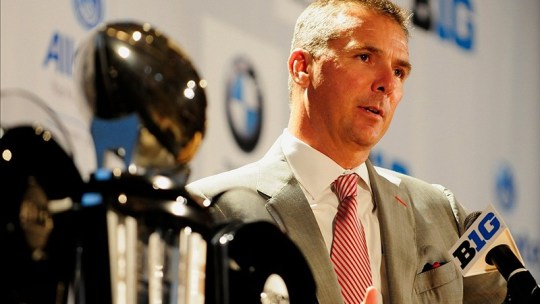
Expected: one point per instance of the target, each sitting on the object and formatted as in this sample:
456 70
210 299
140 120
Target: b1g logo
477 239
450 19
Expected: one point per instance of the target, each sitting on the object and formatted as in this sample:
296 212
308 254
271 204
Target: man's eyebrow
405 64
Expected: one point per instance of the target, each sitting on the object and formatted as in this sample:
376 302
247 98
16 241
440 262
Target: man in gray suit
347 67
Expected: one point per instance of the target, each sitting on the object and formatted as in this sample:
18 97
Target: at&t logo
89 12
61 49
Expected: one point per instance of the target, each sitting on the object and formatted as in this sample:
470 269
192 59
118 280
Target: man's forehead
353 18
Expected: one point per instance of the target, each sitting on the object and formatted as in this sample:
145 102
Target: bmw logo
244 104
89 12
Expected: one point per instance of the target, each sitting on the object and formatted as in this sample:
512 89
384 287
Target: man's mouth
373 110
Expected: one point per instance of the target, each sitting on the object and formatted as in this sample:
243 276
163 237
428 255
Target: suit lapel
302 228
396 220
291 211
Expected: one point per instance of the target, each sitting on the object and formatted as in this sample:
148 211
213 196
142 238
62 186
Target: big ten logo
60 53
379 159
451 20
477 239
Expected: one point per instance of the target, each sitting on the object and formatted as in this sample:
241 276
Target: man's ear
299 62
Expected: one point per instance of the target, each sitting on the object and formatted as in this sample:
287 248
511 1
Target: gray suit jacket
419 223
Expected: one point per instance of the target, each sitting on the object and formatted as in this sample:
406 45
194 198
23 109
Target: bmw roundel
244 104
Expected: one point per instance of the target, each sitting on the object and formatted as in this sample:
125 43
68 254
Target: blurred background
469 119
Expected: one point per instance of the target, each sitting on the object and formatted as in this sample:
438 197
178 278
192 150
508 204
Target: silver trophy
149 114
130 233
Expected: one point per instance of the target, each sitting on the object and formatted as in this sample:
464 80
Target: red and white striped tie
349 250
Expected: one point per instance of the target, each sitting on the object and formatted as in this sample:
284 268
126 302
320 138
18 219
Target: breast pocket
436 278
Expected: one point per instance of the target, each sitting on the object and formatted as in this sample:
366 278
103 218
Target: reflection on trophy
131 233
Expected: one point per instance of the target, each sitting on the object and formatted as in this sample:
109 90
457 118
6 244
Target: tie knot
345 185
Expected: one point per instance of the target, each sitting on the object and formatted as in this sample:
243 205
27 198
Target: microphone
498 252
521 285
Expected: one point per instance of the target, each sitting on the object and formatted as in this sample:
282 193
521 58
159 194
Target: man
347 67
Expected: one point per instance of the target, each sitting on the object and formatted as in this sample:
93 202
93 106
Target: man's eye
363 57
399 73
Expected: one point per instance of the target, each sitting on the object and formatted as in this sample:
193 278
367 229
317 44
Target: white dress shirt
315 172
